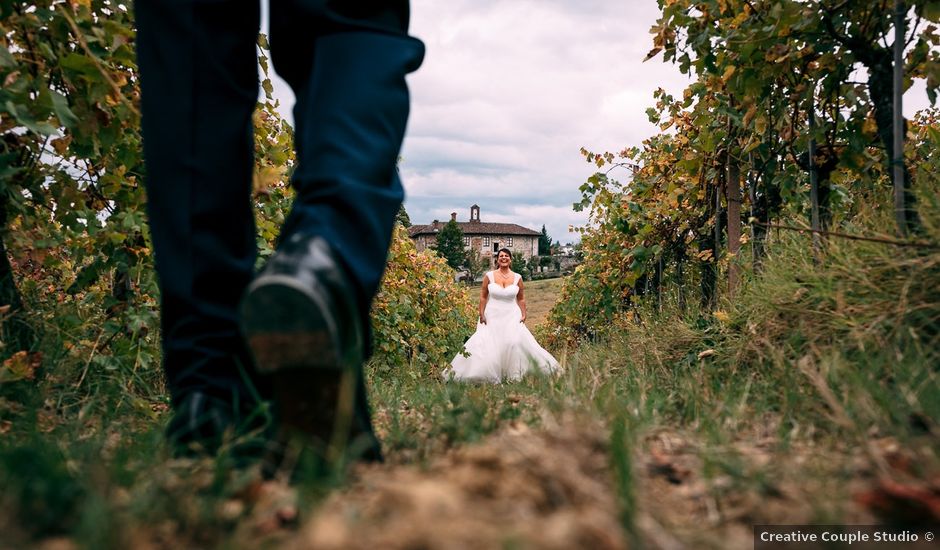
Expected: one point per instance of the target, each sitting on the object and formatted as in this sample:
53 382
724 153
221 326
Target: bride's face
503 259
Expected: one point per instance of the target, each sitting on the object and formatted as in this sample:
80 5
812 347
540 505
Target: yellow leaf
750 114
21 366
266 177
729 72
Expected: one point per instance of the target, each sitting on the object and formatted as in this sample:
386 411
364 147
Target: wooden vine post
813 173
733 191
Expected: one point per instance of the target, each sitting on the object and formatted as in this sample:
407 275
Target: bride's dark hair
496 257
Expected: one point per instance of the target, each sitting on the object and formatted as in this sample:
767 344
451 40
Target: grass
818 396
540 297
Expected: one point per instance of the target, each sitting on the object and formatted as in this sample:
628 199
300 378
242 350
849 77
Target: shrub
518 265
420 313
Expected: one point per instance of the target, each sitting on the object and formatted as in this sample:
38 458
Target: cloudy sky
509 92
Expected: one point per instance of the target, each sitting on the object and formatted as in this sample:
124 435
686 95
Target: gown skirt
503 348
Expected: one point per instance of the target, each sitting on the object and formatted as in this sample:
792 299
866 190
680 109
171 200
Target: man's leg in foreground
306 315
199 89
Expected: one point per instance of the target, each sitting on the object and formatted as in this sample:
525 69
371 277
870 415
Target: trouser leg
346 62
199 89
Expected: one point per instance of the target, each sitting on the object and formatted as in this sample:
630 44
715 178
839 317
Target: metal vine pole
897 163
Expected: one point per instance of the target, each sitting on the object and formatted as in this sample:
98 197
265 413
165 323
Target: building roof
474 228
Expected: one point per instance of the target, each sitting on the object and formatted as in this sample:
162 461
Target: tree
477 264
786 52
403 217
533 264
450 244
545 243
71 188
775 103
860 30
69 143
518 265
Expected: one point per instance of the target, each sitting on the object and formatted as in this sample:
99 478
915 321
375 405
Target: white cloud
509 92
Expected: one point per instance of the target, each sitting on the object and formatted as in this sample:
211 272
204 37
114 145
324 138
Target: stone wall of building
527 245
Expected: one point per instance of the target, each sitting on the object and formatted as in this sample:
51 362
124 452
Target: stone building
485 238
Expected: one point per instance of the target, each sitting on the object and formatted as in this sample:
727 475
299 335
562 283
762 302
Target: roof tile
474 228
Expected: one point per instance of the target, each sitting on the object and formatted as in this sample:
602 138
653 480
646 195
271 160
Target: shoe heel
286 328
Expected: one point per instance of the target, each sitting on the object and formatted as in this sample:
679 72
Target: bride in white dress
502 347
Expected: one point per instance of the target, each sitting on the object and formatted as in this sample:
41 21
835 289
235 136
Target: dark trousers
346 62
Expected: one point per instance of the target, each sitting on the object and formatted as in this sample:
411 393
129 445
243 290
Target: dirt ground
553 487
517 489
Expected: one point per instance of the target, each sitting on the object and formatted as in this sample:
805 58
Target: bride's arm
520 299
484 295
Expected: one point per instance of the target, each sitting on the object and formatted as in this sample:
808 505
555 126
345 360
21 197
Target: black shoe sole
295 340
289 327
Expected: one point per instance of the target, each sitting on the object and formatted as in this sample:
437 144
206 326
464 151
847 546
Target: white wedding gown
503 348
